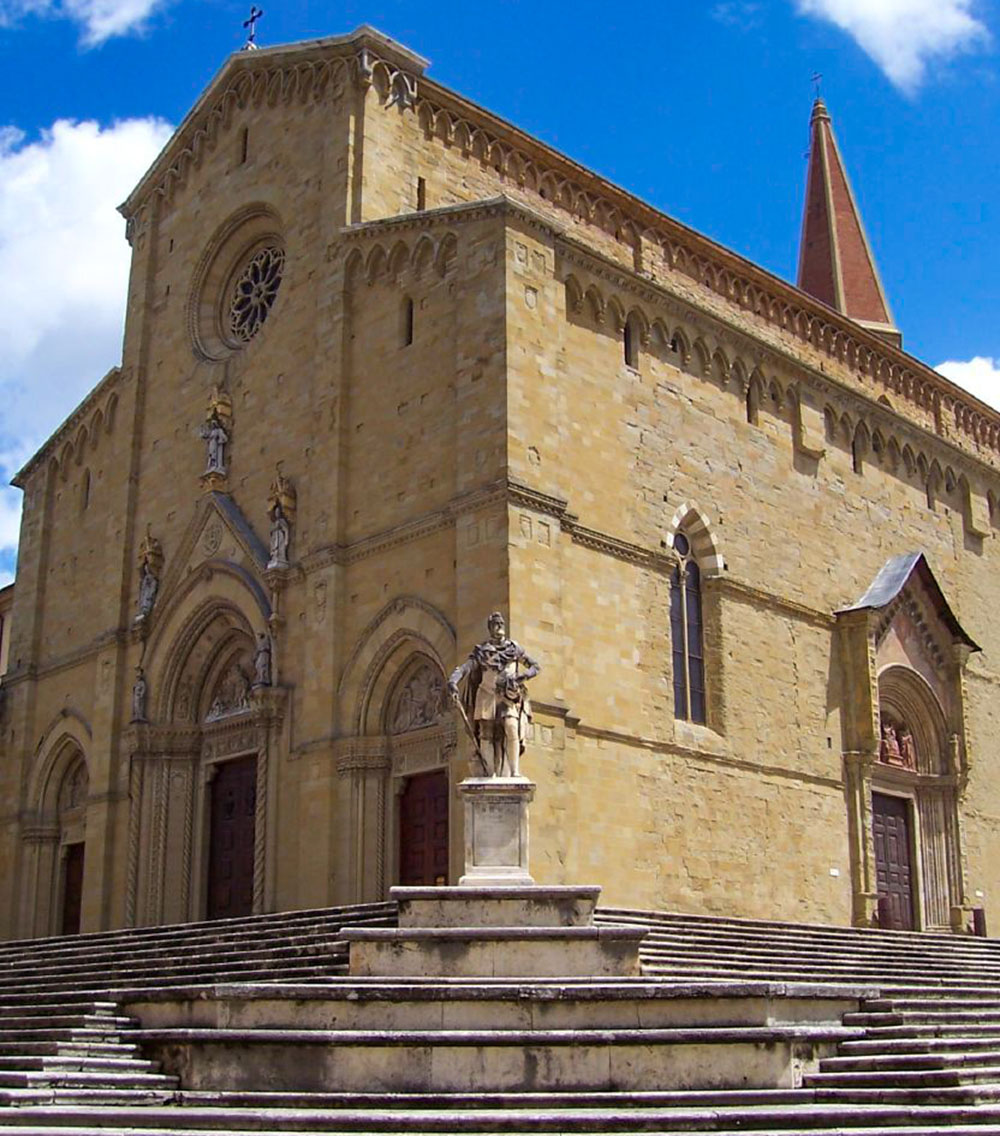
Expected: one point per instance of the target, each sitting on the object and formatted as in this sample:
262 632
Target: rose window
254 292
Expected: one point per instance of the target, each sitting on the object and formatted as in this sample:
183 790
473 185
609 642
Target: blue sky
700 108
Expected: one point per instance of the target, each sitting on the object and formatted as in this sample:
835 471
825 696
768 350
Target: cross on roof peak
251 25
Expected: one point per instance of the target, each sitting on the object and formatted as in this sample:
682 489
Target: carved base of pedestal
214 481
496 831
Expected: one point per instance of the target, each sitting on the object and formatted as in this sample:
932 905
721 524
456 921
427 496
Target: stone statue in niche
490 692
216 431
140 689
232 694
420 703
888 750
149 585
281 504
184 700
262 661
907 751
281 534
897 746
150 566
215 434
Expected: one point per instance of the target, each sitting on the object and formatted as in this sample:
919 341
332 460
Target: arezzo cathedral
389 365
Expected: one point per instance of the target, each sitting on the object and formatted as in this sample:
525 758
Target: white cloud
979 376
904 36
742 14
65 262
99 20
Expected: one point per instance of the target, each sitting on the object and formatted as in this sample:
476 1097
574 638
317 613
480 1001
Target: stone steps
81 1062
13 1055
489 1060
903 1078
922 1044
62 1039
266 1004
85 1078
792 1118
222 930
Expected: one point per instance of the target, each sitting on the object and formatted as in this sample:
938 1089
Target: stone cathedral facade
391 364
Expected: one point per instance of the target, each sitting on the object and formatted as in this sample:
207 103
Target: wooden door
72 890
891 829
423 830
231 838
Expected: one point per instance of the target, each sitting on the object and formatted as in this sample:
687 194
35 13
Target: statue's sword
472 734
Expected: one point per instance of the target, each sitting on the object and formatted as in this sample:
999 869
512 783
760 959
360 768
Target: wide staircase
733 1025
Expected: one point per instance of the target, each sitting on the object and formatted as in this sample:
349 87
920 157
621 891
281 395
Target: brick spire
835 260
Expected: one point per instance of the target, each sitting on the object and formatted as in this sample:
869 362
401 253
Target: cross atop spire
836 264
251 25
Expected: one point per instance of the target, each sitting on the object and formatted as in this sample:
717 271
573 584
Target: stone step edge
210 926
596 1124
490 934
507 989
275 1120
723 1035
676 918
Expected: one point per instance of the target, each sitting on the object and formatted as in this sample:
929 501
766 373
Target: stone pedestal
496 831
497 923
473 932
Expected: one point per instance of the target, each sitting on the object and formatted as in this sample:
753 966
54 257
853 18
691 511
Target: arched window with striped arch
686 634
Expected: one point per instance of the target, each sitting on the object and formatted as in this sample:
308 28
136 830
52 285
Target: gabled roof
835 260
893 577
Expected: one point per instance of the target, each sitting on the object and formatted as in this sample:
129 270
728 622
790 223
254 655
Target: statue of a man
140 688
262 661
495 697
148 587
214 433
280 536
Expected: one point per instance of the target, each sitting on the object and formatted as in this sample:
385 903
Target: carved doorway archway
905 749
419 747
204 778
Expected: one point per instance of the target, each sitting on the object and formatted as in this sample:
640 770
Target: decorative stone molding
719 350
367 755
699 531
93 417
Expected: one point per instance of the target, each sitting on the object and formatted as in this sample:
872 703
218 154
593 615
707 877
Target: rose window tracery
254 291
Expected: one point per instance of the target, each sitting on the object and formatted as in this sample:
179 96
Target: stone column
365 762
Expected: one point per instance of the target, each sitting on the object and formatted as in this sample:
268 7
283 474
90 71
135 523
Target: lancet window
686 634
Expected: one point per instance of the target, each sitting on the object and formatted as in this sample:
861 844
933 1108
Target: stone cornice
758 597
64 431
305 71
742 285
773 353
501 205
118 636
724 756
309 71
403 533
